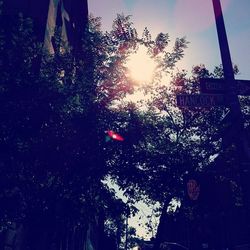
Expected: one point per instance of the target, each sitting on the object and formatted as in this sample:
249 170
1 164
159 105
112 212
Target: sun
141 66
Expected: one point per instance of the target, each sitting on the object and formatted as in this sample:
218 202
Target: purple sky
191 18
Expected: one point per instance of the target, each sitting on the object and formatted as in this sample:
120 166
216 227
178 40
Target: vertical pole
235 110
223 43
126 233
231 87
226 60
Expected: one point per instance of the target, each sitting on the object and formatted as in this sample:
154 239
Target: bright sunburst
141 66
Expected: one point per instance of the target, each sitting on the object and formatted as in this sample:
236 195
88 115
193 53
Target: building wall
37 10
72 16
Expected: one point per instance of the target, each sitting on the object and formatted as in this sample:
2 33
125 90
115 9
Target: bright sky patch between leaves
141 66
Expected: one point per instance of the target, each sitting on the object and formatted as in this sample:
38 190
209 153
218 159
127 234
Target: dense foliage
56 167
54 114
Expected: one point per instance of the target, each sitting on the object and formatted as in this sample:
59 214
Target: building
72 16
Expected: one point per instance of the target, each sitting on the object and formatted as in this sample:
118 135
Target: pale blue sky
191 18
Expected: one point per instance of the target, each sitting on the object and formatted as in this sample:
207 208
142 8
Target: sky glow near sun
141 66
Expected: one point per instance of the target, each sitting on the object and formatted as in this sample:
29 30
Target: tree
165 142
53 153
198 137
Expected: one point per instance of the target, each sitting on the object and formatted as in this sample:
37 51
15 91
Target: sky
193 19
